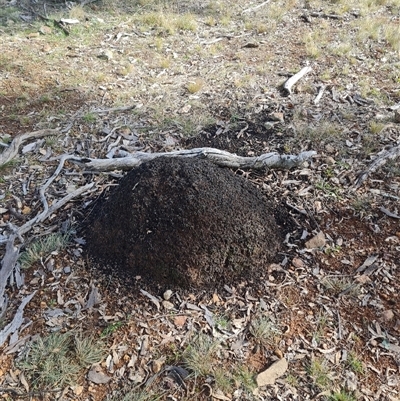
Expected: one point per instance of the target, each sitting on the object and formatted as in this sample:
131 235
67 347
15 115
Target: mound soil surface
185 222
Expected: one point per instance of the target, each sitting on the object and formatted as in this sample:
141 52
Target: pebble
276 370
388 315
167 295
167 305
317 241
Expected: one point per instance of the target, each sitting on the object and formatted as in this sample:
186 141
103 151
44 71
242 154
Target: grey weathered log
13 149
219 157
17 320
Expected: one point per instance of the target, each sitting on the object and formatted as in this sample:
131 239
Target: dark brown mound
185 222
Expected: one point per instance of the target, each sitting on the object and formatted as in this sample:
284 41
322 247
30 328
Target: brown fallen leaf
180 321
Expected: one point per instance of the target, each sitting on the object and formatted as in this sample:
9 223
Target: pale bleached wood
296 77
219 157
17 320
379 161
13 149
251 9
7 266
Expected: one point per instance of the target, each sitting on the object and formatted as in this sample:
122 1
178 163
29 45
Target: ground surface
210 74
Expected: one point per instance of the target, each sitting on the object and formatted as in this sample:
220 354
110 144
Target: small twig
250 9
291 81
28 394
113 109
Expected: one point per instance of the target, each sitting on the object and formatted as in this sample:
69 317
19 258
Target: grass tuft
200 354
42 248
319 371
264 330
56 361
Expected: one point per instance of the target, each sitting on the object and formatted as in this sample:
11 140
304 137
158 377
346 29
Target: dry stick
12 252
55 206
219 157
320 94
42 196
249 10
17 320
296 77
123 108
7 266
379 161
12 150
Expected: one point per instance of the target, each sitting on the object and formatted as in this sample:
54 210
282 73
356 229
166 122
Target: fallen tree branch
7 266
296 77
379 161
219 157
17 321
55 206
13 149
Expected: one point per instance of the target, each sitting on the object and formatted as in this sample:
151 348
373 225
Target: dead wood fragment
250 9
7 266
113 109
389 213
219 157
12 150
320 94
17 321
296 77
379 161
323 15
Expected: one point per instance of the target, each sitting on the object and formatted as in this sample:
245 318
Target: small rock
329 148
97 376
158 364
298 263
276 370
277 117
45 30
388 315
106 55
167 295
167 305
317 241
78 390
67 269
330 161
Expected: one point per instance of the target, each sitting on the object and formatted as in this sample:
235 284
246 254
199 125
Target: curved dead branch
13 149
219 157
